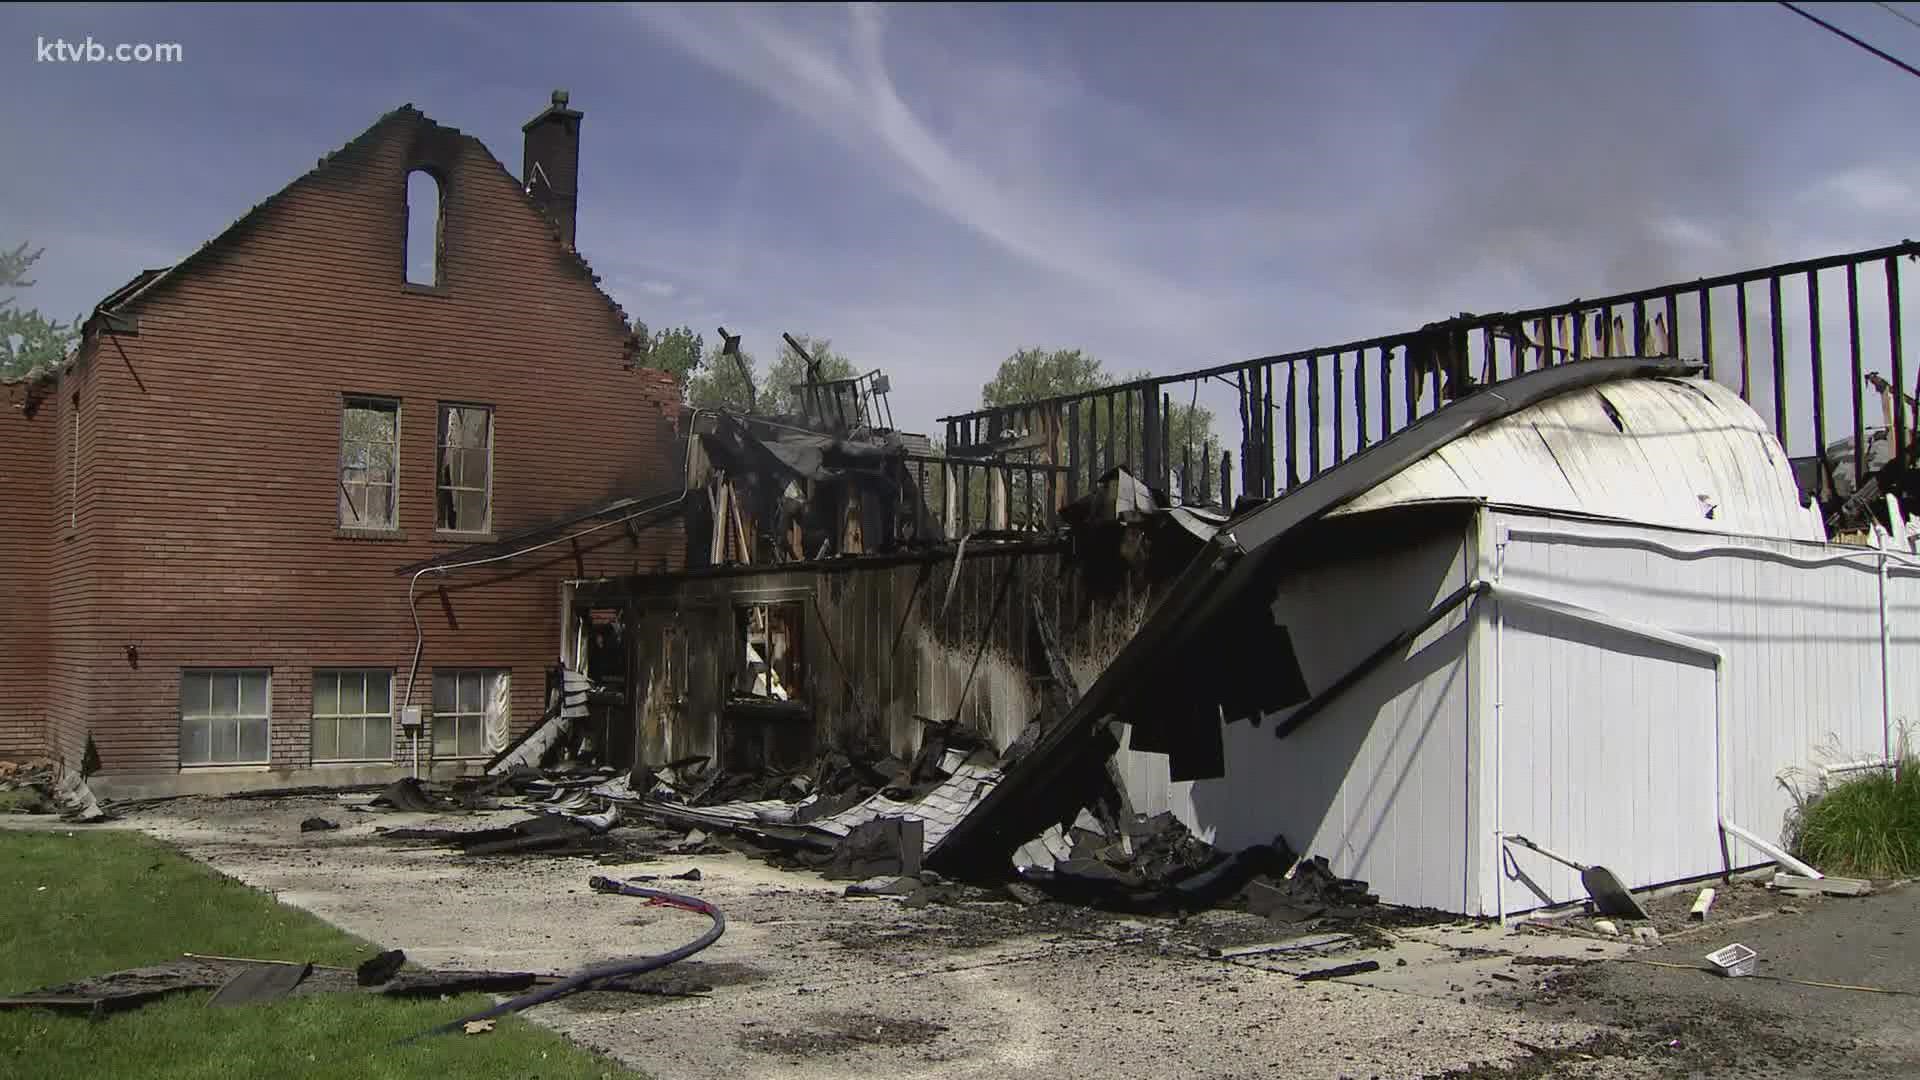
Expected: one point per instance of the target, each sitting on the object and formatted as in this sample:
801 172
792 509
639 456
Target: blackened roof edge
148 280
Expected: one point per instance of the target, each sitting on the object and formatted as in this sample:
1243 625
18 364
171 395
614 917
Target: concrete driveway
809 983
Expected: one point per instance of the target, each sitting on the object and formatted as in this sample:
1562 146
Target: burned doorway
589 689
767 724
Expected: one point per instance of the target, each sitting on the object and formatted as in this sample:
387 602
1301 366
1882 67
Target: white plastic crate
1734 960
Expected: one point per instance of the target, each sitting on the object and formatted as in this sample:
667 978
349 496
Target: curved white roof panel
1685 453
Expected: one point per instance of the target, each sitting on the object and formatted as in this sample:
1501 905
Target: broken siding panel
1376 782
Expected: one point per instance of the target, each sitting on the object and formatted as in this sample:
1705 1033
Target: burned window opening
767 722
369 463
426 214
464 488
772 666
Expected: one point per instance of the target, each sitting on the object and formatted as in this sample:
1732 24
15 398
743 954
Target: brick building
397 356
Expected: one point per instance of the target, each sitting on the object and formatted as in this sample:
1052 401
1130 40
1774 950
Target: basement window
772 662
352 715
223 717
463 702
369 463
465 468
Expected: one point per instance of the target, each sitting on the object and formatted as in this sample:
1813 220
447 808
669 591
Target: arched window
424 247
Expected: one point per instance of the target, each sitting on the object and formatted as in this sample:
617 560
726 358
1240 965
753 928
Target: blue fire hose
586 978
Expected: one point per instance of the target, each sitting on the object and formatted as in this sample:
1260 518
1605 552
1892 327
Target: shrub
1868 826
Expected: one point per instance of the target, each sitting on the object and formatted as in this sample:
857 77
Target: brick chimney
552 169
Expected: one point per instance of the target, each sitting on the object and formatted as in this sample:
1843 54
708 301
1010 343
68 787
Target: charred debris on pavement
766 701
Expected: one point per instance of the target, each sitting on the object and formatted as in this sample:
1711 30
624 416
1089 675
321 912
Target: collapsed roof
1620 437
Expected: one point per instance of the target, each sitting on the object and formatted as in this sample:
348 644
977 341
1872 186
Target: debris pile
849 818
1157 865
45 786
242 981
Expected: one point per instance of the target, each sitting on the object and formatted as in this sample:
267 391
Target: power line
1832 29
1897 13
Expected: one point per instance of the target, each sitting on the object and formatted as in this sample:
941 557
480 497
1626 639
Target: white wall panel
1377 782
1592 715
1628 784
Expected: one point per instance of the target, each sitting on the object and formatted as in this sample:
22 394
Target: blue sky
932 187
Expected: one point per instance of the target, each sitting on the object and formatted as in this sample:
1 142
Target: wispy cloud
662 289
835 74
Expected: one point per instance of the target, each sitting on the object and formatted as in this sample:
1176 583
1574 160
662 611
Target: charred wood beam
1853 349
1319 702
1603 305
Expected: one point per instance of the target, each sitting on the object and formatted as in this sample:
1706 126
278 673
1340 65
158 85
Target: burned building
386 360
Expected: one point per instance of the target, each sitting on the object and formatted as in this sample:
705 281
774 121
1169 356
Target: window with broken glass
465 469
352 715
771 663
223 717
461 701
369 463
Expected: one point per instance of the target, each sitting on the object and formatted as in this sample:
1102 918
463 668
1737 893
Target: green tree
677 350
1032 374
29 341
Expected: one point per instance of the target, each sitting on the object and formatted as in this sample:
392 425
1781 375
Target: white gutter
1499 728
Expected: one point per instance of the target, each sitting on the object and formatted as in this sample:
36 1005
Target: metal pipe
1499 729
1855 766
1886 667
1772 852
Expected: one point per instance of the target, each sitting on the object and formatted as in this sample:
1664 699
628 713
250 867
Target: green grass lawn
80 902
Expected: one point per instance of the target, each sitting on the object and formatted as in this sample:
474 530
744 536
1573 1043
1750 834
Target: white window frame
340 719
187 713
440 483
463 720
342 513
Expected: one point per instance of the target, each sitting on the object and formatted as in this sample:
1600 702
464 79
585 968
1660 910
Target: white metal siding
1607 741
1606 755
1378 781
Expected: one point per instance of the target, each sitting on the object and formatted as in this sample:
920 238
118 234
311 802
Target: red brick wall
26 542
209 507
